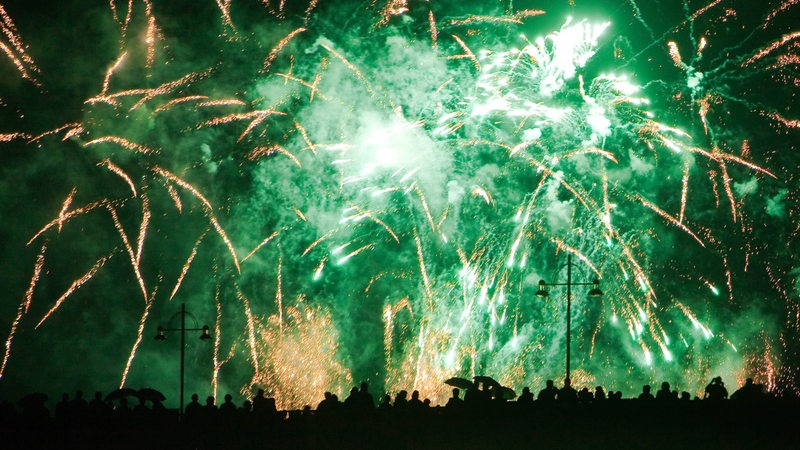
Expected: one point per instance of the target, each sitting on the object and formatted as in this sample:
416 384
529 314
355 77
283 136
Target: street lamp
595 292
205 335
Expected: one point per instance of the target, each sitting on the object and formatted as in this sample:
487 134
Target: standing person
567 393
549 393
716 390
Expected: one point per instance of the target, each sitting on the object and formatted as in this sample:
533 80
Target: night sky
348 191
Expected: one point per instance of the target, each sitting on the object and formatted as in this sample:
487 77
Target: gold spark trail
24 306
76 285
128 248
186 265
207 207
281 44
139 336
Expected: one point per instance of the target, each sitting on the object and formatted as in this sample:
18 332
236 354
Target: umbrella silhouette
150 394
487 381
121 393
461 383
508 393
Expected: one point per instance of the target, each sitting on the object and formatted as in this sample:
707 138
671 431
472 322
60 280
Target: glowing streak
16 52
434 30
208 208
352 68
74 286
467 53
258 247
186 265
128 248
669 218
281 44
225 10
675 54
786 122
703 10
179 100
110 72
8 137
423 271
355 252
304 134
138 148
221 102
262 152
279 294
251 332
65 208
143 228
139 336
175 198
255 118
783 7
684 190
120 173
764 52
24 306
62 219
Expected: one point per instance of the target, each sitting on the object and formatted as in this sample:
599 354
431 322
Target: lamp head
542 292
160 334
206 335
595 292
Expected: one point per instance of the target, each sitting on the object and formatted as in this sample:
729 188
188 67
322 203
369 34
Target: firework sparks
451 163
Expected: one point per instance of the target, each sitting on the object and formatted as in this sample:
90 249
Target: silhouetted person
62 408
365 399
99 409
326 405
386 403
415 404
526 397
665 393
78 406
599 393
194 410
567 393
264 407
210 410
685 396
401 400
353 403
454 402
715 390
585 395
227 409
472 396
646 395
549 393
749 392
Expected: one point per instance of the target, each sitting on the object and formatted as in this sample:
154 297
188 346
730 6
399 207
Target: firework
400 176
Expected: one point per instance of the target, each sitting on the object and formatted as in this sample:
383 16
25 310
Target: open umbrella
508 393
461 383
121 393
487 381
150 394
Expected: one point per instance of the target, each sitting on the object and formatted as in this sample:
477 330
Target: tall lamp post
204 336
594 292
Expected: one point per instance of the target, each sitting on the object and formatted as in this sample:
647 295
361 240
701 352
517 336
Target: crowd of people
476 415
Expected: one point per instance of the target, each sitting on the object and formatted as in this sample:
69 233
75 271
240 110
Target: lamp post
204 336
594 292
